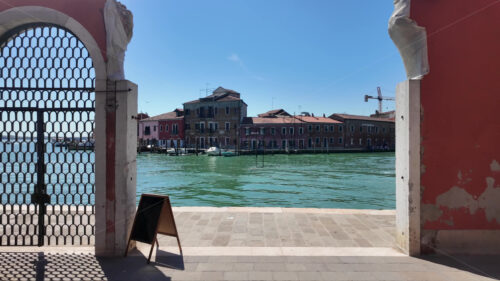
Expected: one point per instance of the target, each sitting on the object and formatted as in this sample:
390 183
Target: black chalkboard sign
154 216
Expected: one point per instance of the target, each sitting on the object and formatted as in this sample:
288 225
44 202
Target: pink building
164 130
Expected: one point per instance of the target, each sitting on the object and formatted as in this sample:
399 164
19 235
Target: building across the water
220 120
214 120
363 132
278 130
164 130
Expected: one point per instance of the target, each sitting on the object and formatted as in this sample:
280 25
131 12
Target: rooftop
220 95
313 119
360 117
267 120
176 114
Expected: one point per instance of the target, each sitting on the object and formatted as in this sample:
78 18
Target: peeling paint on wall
489 200
494 166
430 212
457 198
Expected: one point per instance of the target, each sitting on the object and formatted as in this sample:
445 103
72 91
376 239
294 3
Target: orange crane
380 98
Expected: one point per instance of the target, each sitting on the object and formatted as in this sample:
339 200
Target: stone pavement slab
255 244
49 264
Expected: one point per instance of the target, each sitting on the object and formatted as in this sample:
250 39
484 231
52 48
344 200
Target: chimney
312 114
324 115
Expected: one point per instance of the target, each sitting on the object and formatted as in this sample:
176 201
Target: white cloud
235 58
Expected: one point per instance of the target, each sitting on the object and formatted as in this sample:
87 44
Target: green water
341 180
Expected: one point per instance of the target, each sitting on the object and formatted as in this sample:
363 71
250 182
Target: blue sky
320 56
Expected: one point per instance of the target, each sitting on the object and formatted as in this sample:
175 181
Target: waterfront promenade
256 244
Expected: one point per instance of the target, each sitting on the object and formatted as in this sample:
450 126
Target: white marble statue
119 26
410 39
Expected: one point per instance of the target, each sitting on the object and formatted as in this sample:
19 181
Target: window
147 131
301 131
340 140
227 110
228 141
331 128
161 128
283 131
154 129
352 128
361 128
369 142
352 141
309 143
310 128
273 131
340 128
383 130
318 128
283 144
332 140
376 130
317 141
187 111
188 126
216 126
291 131
166 128
325 142
175 129
262 131
326 128
202 127
215 110
360 141
228 126
247 131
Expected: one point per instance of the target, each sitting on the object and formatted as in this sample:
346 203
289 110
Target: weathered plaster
489 200
410 39
458 197
119 26
430 212
494 166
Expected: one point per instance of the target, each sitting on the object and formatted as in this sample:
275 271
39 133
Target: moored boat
213 151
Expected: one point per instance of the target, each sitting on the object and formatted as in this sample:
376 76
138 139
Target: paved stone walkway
256 244
282 227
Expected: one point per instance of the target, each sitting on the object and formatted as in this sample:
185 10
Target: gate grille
47 109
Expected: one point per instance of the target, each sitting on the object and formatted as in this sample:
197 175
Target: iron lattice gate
47 107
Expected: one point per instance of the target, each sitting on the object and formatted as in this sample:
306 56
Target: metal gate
47 107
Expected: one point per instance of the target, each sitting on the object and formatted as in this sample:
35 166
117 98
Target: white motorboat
176 151
213 151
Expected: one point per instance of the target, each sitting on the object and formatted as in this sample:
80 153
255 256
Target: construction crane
380 98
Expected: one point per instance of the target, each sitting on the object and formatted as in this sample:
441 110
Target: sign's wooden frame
166 224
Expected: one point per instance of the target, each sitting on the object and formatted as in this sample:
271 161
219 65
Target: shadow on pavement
169 260
483 265
42 266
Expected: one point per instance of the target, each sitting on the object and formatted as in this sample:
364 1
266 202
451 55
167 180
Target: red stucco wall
89 13
460 99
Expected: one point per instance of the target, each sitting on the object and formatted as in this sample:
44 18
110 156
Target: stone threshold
284 210
229 251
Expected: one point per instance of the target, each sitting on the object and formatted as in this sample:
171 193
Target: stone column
408 166
116 142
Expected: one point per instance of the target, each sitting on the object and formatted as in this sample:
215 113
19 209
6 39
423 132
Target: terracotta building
321 133
367 133
214 120
278 130
171 129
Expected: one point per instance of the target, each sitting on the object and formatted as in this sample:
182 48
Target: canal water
337 180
